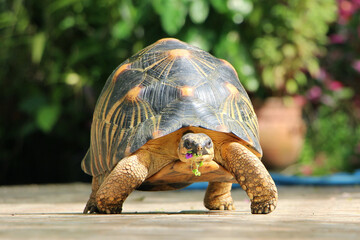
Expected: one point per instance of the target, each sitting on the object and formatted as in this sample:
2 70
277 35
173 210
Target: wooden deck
54 212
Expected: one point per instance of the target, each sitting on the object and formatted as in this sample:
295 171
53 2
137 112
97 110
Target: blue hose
337 179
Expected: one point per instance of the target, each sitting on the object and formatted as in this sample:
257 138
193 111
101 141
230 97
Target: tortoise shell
164 87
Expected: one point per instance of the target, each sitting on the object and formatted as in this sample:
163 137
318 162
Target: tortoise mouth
196 158
196 162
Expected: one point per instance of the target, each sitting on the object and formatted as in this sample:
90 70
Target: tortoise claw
90 207
263 207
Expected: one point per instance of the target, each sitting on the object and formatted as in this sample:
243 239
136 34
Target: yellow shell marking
166 39
121 70
178 53
157 134
232 89
187 91
133 93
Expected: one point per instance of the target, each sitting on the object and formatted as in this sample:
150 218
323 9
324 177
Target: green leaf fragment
196 170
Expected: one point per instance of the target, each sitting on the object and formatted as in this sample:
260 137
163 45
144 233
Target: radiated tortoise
169 116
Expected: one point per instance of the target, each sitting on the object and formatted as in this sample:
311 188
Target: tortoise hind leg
127 175
252 177
218 196
91 206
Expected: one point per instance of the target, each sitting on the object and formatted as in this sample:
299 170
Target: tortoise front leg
218 196
252 176
128 174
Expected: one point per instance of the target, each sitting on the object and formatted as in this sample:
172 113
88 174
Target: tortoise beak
199 150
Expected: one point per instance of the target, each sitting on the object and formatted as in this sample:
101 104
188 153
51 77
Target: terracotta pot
282 132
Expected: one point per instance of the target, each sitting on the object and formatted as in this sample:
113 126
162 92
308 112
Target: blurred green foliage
55 56
331 145
290 39
333 94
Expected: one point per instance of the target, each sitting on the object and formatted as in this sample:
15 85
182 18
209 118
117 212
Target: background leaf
47 116
198 11
38 46
172 13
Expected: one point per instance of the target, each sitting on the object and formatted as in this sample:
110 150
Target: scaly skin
252 177
128 174
218 196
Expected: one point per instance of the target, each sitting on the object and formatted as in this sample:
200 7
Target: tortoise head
196 147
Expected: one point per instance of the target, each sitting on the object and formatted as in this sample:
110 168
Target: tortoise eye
209 144
187 144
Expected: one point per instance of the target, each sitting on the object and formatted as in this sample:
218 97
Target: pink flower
346 10
299 100
306 170
314 93
335 85
321 74
356 3
356 65
337 38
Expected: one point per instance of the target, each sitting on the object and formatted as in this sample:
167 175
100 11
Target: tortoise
167 117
